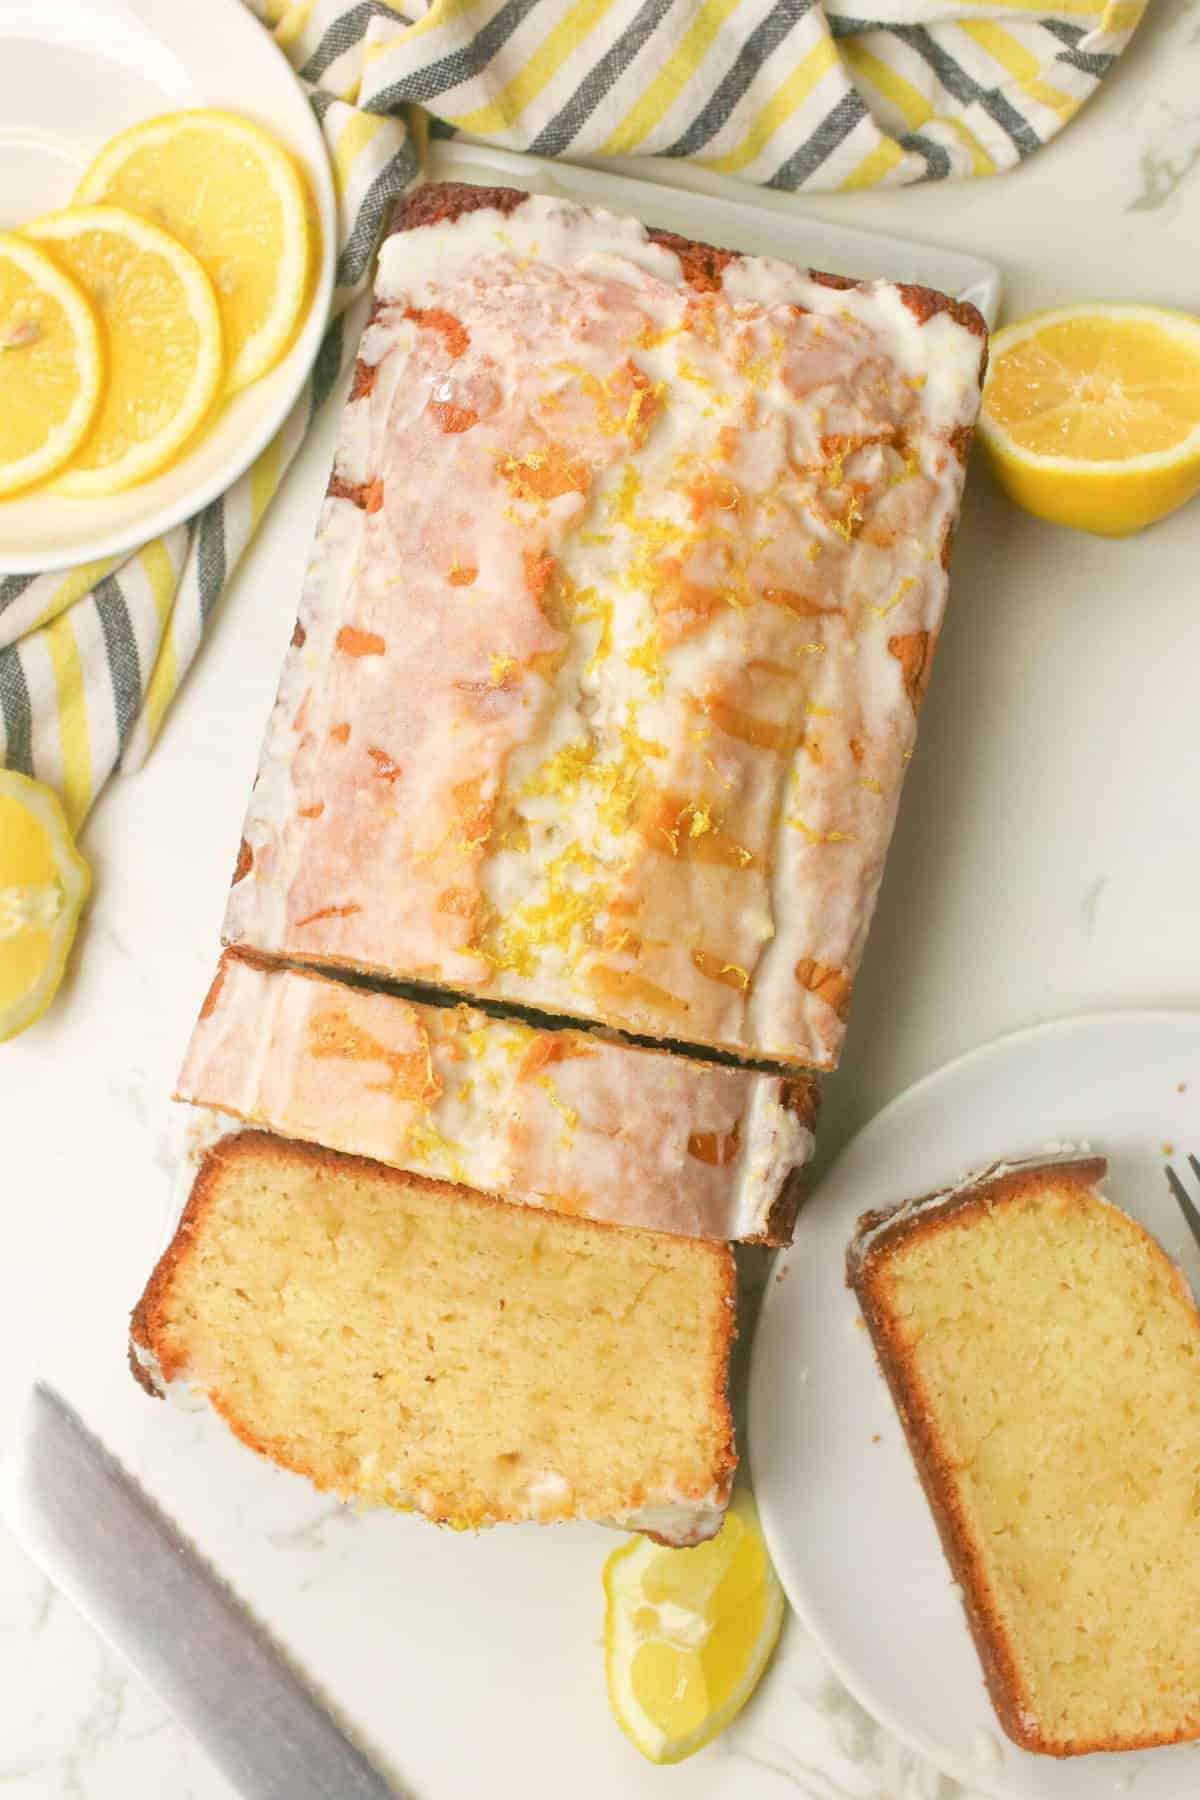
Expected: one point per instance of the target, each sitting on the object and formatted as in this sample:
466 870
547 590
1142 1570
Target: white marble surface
1047 861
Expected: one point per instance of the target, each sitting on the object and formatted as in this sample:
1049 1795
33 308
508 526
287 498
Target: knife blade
128 1570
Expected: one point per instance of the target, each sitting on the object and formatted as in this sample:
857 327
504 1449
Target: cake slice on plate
405 1342
562 1119
1044 1356
617 625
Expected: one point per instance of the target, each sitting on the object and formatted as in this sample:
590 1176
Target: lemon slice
687 1634
1091 415
51 366
43 884
162 336
235 198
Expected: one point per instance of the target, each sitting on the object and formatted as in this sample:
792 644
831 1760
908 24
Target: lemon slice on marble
43 884
1091 414
230 193
162 333
51 365
688 1633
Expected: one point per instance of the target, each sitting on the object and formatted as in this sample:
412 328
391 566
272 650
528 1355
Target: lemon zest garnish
905 588
563 772
821 837
567 1113
687 371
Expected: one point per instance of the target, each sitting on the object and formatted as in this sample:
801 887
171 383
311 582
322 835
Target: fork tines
1187 1205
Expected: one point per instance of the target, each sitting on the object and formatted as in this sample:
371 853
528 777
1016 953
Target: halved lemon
1091 414
51 365
43 884
688 1633
162 334
235 198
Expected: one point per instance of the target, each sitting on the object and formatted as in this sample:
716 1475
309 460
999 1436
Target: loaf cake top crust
618 621
404 1342
1044 1356
561 1119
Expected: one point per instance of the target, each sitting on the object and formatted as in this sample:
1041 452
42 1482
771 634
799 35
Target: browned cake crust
801 1096
874 1241
149 1322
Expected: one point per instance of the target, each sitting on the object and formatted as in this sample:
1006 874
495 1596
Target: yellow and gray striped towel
789 94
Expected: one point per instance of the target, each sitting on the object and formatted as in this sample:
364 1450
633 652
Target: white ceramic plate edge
245 46
1018 1778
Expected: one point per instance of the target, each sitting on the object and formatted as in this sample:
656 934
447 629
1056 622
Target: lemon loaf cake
1044 1356
562 1119
410 1343
618 621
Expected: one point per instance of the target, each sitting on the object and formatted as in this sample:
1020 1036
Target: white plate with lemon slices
74 76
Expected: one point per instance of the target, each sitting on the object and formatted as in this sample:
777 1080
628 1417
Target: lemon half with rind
1091 414
235 198
688 1633
162 332
51 365
44 883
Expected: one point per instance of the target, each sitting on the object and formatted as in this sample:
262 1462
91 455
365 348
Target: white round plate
73 73
847 1523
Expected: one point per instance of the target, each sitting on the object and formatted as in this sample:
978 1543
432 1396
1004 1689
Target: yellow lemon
51 365
162 336
688 1633
43 884
235 198
1091 415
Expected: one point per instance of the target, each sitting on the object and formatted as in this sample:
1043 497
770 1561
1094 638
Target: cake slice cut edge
563 1119
1043 1354
405 1342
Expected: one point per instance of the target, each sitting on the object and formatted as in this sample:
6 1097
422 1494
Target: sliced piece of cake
620 615
561 1119
406 1342
1044 1356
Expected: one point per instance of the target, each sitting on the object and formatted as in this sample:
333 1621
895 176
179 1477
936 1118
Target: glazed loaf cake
404 1342
560 1119
620 614
1044 1356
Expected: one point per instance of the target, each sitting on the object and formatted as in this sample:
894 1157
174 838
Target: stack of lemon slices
179 274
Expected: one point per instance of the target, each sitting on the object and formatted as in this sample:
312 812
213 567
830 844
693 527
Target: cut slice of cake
409 1343
1044 1356
561 1119
619 618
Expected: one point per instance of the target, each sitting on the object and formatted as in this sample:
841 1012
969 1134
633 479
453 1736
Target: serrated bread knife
121 1561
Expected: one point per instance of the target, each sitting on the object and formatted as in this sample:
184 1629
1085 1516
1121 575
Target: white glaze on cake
615 632
561 1119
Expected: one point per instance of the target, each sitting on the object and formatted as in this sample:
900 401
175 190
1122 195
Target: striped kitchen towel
788 94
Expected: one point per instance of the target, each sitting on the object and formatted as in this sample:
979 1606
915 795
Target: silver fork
1187 1205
